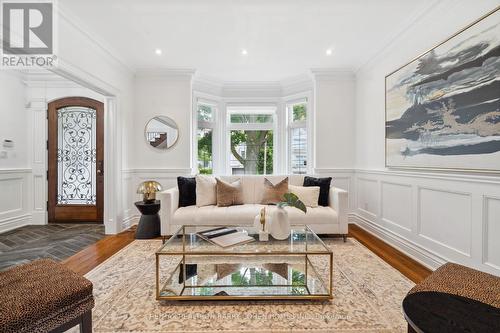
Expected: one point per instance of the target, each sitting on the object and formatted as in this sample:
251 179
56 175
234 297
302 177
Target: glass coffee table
191 268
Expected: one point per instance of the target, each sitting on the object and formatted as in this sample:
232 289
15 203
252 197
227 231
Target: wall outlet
3 154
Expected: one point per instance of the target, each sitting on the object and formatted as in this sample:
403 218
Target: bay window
258 138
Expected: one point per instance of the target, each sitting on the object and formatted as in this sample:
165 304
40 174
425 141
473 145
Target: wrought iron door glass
76 156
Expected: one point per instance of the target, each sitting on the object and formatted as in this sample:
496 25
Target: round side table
149 224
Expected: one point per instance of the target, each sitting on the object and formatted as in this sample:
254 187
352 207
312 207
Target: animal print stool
454 299
44 296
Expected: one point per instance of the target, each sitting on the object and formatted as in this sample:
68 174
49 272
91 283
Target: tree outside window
205 117
252 149
298 137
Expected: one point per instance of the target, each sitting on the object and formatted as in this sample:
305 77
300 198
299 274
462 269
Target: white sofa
322 220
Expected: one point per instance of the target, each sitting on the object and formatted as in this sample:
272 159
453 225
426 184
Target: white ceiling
284 38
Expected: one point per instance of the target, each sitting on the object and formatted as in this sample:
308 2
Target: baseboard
130 221
412 250
39 217
15 222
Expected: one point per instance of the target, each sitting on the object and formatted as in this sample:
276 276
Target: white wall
334 137
157 93
15 208
435 217
22 118
14 125
162 95
334 119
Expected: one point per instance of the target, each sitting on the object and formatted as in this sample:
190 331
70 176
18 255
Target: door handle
100 168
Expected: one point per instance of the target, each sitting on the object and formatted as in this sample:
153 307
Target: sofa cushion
308 195
318 215
274 193
324 184
206 190
245 214
187 191
229 194
213 215
253 185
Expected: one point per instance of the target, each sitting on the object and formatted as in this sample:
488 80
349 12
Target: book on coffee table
226 237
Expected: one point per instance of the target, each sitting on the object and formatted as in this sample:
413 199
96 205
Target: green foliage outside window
205 151
299 112
204 112
256 143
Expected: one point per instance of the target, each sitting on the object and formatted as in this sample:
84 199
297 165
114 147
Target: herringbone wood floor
56 241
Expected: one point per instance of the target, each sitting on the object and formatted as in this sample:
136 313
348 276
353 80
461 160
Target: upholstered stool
454 298
44 296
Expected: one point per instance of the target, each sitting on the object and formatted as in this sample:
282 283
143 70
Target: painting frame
431 168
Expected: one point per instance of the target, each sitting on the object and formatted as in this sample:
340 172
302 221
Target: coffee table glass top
302 240
191 268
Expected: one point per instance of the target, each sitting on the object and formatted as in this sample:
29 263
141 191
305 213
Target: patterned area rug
367 298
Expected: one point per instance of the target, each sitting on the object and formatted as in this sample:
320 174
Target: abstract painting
443 108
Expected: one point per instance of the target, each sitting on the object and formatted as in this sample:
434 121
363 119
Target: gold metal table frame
302 244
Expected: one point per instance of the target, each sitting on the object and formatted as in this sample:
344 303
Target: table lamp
148 190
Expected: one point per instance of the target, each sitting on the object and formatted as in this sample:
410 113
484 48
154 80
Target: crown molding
297 84
74 21
332 74
46 79
411 21
165 73
266 89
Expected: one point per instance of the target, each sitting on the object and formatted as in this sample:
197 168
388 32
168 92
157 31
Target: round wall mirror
161 132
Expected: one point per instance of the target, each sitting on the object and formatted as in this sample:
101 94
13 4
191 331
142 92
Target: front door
75 160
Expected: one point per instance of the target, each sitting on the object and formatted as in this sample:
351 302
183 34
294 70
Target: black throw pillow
187 191
324 188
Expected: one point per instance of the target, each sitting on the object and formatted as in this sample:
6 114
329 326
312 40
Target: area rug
367 298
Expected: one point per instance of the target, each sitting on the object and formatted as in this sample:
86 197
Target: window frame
290 124
202 124
221 128
248 108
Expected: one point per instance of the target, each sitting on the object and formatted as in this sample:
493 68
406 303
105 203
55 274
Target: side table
149 224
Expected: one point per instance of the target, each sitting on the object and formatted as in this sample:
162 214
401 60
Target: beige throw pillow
206 190
309 195
274 193
229 194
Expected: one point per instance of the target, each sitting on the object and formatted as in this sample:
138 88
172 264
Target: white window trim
245 108
307 124
281 126
213 101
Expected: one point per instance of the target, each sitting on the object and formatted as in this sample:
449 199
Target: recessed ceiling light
244 52
158 51
329 52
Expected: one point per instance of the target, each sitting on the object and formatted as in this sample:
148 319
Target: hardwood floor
400 261
85 260
90 257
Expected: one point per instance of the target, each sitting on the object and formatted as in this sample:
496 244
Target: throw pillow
274 193
308 195
187 191
324 185
229 194
206 190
